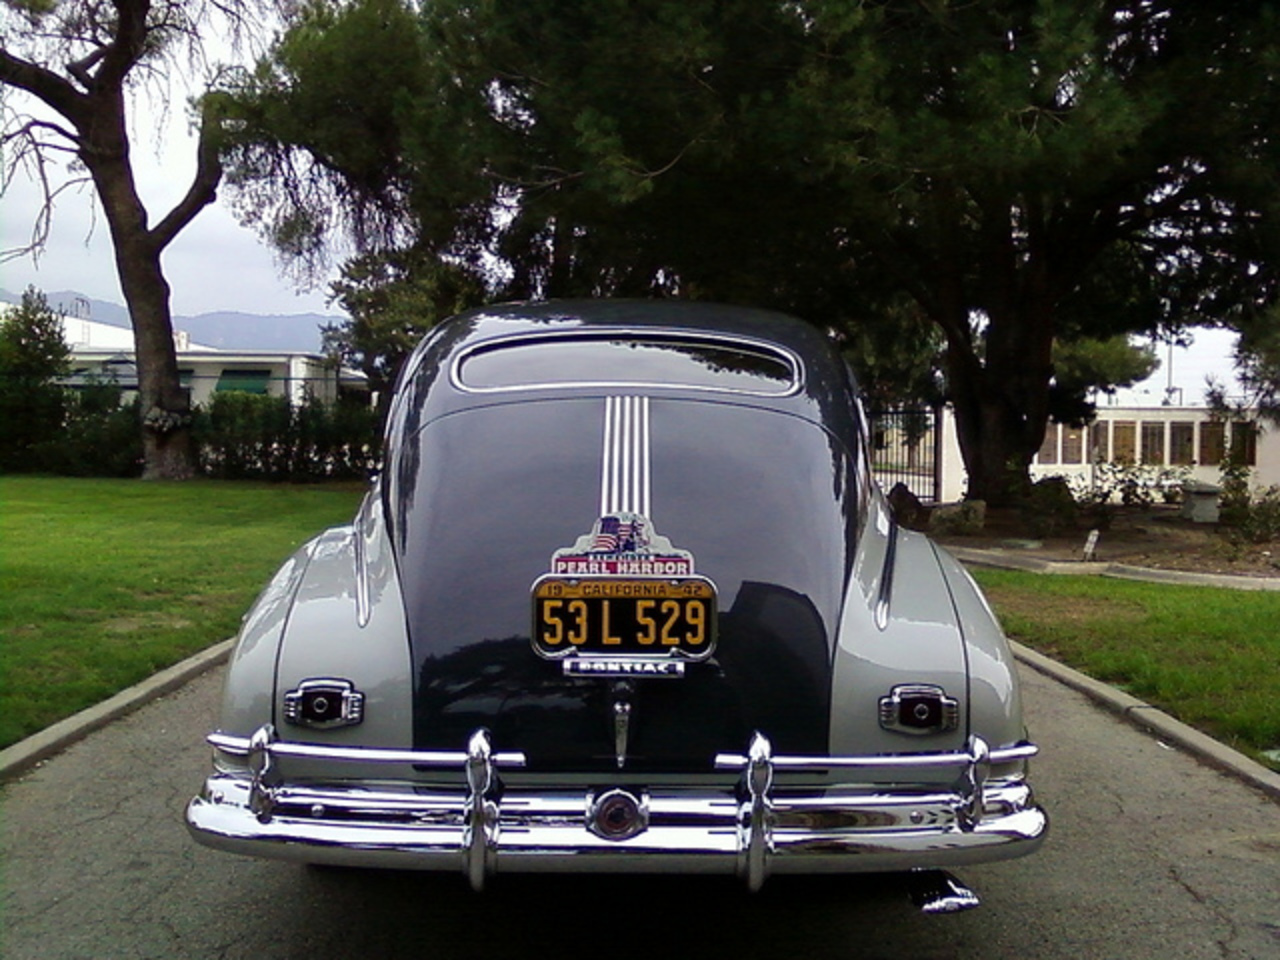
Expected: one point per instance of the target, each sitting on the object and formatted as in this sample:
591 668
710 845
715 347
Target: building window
1244 442
1153 443
1213 442
1182 444
1123 441
1099 447
246 381
1049 448
1072 445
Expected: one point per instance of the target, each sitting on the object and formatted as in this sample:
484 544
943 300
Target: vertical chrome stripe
626 453
643 473
625 467
606 475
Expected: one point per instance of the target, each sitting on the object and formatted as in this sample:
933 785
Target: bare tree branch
43 84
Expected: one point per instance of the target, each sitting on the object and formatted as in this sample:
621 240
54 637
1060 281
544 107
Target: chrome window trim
655 335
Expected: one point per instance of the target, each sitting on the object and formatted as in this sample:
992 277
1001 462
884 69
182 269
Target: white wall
1266 470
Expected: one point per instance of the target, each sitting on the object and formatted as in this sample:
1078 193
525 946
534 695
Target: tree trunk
165 407
999 382
1001 404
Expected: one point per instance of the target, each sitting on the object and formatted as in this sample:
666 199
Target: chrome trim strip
241 746
643 334
885 593
885 761
364 609
608 477
644 477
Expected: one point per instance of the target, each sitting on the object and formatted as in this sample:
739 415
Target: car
624 597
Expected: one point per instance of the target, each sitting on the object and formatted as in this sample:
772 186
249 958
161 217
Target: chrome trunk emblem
621 730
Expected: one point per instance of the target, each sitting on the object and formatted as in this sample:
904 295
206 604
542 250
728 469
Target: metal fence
906 448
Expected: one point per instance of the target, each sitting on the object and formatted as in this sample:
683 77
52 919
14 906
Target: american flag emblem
616 535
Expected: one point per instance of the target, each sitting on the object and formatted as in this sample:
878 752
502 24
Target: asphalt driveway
1151 854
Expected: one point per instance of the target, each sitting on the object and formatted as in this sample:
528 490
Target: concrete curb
1156 721
25 754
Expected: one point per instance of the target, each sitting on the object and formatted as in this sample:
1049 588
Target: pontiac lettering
615 667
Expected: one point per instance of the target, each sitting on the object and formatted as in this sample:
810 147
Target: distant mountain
226 330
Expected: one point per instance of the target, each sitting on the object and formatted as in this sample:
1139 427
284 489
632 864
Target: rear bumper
753 829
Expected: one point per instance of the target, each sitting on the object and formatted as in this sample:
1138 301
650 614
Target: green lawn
1207 656
104 582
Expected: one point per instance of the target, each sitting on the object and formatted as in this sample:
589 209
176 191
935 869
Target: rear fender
915 639
995 705
348 623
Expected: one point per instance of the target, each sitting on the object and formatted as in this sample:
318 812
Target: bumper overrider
753 828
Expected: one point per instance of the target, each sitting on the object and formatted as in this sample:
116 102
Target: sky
1185 370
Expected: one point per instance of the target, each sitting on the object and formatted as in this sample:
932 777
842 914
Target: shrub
1133 484
1050 507
250 436
1259 520
1235 500
100 437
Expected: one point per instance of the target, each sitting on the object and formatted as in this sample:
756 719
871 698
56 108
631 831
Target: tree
1023 172
392 300
1042 172
106 50
33 354
1083 366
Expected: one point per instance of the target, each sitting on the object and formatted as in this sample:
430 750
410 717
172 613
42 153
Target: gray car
625 597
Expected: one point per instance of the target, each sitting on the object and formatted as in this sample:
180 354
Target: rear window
617 361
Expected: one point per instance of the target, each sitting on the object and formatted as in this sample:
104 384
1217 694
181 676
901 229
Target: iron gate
906 448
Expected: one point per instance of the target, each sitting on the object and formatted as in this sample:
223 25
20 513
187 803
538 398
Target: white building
101 352
1187 442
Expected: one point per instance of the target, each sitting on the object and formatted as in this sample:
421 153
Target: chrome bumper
753 829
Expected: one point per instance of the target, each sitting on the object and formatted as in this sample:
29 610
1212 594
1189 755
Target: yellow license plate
671 617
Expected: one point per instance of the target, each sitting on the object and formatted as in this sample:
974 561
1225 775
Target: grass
1209 657
104 582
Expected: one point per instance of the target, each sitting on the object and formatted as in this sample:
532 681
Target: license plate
657 617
